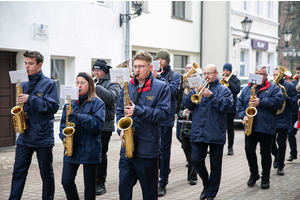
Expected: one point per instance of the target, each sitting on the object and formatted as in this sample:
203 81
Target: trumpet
226 82
196 98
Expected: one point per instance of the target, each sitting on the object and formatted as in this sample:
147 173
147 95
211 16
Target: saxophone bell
68 131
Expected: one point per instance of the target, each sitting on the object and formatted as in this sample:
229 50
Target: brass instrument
226 82
19 119
196 98
125 123
250 112
294 77
282 71
68 131
194 69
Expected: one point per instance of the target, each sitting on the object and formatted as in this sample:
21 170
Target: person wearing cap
234 87
89 117
288 79
283 123
163 57
109 93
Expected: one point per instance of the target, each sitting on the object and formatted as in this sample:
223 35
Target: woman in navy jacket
88 116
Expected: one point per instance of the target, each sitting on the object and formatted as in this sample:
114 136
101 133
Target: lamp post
292 54
246 24
287 35
124 18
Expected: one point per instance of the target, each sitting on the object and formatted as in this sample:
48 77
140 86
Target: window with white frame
58 75
182 9
270 62
242 63
259 8
258 59
180 61
247 6
270 9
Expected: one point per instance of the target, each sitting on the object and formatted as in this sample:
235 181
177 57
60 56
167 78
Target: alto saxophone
68 131
251 111
19 119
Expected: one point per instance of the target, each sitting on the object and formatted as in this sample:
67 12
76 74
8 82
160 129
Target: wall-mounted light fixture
287 35
124 18
246 24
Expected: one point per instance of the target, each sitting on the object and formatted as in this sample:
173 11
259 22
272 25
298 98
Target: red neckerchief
147 86
266 86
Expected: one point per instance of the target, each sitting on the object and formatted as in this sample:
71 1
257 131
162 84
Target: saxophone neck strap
35 84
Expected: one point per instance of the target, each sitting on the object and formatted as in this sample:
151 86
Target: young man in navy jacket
268 100
41 102
150 106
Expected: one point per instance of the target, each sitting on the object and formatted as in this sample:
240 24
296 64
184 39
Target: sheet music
156 65
69 92
18 76
195 81
255 78
120 75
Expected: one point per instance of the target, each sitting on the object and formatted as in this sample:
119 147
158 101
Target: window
270 62
180 62
271 9
259 8
258 60
247 6
58 75
178 9
242 63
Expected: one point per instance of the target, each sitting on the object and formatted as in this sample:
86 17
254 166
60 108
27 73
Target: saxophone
250 112
68 131
19 119
125 123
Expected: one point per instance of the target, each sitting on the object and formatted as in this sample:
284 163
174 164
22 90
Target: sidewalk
235 174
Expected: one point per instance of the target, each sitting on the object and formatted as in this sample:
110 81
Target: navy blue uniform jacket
284 118
174 88
151 109
209 119
270 100
87 147
40 107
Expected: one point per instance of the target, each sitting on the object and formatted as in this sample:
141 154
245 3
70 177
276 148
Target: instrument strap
137 93
35 84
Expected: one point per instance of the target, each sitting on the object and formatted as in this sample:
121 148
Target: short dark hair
34 54
143 56
298 67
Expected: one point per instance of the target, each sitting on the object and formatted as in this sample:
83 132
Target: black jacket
234 87
109 93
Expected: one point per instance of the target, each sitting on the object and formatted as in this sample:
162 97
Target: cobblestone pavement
235 174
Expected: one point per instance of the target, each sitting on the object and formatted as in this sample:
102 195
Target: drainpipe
127 44
227 30
201 33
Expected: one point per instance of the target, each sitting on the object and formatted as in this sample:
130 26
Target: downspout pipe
201 33
127 44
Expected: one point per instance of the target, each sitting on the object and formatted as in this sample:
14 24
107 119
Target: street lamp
246 24
287 35
292 54
124 18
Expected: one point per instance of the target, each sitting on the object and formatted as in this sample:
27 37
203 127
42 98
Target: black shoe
187 164
280 172
100 187
193 182
210 198
252 180
275 164
162 191
203 195
291 158
230 151
265 183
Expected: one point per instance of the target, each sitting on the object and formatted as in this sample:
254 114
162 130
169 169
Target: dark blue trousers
143 169
22 162
265 141
292 136
68 180
102 167
164 161
211 183
279 152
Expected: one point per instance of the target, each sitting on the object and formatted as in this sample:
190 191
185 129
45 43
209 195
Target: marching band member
267 100
41 102
283 122
88 116
209 129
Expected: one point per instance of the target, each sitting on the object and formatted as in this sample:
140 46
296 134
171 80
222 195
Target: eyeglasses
139 66
81 83
208 73
261 74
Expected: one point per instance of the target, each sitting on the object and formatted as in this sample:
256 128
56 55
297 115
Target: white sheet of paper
119 75
18 76
195 81
156 65
255 78
69 92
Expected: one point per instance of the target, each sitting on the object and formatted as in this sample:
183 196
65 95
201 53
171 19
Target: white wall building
174 26
222 23
70 34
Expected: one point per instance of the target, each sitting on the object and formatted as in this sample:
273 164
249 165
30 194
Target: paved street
233 184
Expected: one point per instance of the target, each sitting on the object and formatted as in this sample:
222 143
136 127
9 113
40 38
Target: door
7 98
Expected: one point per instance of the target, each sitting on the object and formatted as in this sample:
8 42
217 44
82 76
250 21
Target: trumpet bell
195 99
